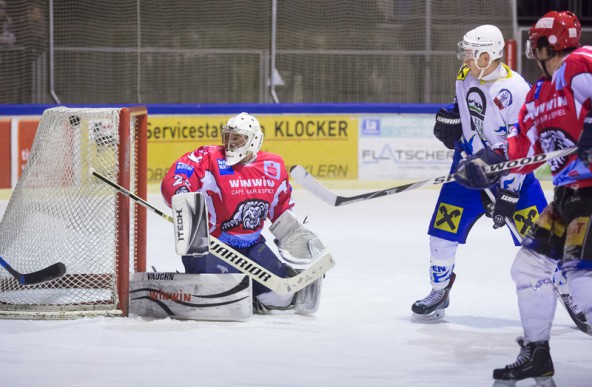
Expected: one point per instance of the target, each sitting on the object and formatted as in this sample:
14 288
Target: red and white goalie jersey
552 118
239 198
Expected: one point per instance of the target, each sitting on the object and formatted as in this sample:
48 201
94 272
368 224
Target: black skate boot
534 361
432 307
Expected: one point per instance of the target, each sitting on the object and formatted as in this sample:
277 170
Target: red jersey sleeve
184 175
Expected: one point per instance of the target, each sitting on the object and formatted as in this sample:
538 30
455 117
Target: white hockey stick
306 180
241 262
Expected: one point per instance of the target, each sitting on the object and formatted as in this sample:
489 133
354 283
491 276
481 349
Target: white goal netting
59 212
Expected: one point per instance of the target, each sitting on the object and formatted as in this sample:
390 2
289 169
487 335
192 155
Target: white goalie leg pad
298 245
533 275
273 303
308 299
210 297
190 216
443 257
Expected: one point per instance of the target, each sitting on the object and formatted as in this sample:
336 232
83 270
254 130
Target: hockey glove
585 142
505 205
472 171
448 128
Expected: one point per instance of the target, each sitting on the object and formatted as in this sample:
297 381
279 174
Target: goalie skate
432 308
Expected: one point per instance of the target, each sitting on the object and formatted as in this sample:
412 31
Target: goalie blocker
190 216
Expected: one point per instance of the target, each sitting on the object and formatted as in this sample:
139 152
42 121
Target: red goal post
59 212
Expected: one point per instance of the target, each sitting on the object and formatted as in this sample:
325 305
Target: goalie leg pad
214 297
190 223
308 299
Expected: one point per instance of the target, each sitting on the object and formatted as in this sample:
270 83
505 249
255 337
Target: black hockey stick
310 183
241 262
49 273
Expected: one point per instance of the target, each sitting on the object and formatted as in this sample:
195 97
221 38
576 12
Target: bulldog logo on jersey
477 105
555 139
525 218
448 217
250 214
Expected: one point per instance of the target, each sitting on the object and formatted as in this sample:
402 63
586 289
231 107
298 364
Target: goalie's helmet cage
240 136
557 30
483 39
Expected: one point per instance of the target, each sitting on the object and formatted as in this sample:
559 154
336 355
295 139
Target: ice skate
546 381
432 308
534 361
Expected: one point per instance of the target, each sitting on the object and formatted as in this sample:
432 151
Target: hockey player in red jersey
556 115
243 186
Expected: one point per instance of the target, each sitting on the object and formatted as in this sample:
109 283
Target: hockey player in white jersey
487 101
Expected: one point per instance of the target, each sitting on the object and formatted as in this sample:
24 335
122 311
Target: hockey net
59 212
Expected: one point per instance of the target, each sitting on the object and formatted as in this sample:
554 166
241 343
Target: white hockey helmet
241 136
485 38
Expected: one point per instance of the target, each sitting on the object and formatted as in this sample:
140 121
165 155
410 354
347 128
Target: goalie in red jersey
243 187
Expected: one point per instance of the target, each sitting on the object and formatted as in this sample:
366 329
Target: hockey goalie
240 187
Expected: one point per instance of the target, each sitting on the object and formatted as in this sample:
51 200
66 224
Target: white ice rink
361 336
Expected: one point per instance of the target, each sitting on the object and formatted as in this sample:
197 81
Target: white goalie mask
485 38
241 137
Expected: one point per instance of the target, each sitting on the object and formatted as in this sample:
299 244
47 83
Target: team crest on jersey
503 99
525 218
183 169
477 105
250 214
223 168
272 169
448 217
556 139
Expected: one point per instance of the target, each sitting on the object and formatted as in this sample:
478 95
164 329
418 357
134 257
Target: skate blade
435 316
546 381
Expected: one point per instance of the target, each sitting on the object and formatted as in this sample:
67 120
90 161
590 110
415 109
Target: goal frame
129 241
124 205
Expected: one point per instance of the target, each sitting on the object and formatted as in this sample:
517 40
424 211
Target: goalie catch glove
448 128
297 245
472 171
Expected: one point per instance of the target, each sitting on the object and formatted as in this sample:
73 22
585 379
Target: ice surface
361 336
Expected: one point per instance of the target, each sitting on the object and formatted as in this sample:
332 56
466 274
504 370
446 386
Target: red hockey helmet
562 30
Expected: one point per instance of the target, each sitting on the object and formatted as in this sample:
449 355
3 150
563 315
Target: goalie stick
241 262
310 183
49 273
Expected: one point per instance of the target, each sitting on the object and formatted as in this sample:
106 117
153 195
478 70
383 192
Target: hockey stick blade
577 317
301 176
49 273
244 264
